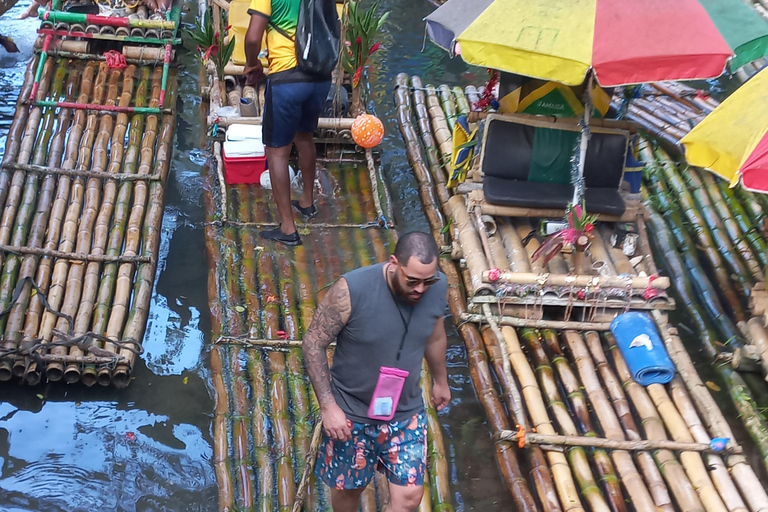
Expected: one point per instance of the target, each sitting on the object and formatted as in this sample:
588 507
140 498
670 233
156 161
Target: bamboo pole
717 469
26 224
516 254
709 409
101 223
220 444
471 245
620 404
119 219
672 471
539 324
540 474
759 338
639 283
143 224
558 464
40 224
612 499
431 147
440 126
60 285
436 460
691 461
641 498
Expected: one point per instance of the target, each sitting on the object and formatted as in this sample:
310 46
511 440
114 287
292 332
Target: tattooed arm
331 316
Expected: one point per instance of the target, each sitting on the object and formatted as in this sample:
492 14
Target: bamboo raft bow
82 210
573 412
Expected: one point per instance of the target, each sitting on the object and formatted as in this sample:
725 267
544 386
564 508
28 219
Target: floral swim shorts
398 449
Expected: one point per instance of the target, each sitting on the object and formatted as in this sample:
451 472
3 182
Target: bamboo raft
82 191
262 299
555 371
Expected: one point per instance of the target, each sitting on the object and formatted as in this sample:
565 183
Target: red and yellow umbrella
733 140
623 41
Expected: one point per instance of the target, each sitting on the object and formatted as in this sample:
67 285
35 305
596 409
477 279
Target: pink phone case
387 393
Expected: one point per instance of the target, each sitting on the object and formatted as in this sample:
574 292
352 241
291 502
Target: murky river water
148 448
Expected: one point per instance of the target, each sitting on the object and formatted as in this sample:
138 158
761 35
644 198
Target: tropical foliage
362 26
210 42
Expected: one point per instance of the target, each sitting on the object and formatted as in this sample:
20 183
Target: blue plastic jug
642 348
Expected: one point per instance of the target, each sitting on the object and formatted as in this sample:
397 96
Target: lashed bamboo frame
715 490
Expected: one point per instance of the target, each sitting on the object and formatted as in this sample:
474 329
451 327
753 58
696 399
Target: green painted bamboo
85 19
577 456
380 252
734 249
727 204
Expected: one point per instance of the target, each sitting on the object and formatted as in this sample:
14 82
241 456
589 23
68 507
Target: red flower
588 228
581 295
494 274
359 40
216 38
374 48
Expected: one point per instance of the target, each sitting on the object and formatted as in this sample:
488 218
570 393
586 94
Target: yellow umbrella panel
725 140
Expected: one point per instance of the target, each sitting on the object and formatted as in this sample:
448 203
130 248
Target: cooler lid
243 148
243 132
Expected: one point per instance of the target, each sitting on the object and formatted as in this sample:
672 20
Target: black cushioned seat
526 193
510 166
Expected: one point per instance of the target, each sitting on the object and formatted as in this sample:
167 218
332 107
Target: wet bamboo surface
79 248
571 381
265 406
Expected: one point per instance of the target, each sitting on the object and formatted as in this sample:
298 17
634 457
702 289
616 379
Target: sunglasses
414 281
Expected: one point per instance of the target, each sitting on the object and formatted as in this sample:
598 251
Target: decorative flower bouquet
577 234
210 43
361 28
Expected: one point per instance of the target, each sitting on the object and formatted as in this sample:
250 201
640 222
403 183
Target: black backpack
317 37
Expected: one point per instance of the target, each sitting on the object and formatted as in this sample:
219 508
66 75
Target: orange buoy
367 131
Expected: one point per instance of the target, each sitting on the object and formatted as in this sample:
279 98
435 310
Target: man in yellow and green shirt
293 102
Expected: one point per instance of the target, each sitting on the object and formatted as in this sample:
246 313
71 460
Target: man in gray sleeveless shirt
385 319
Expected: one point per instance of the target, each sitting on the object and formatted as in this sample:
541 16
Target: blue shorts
291 107
398 449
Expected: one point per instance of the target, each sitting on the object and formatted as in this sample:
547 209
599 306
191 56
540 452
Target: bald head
417 245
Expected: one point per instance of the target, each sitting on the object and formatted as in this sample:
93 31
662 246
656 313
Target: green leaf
41 397
185 380
239 309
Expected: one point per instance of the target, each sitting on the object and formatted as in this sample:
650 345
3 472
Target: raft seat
527 163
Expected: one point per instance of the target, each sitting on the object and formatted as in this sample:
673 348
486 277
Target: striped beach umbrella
622 41
732 141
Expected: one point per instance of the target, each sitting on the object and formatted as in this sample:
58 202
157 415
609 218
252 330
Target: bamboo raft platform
262 299
82 188
551 368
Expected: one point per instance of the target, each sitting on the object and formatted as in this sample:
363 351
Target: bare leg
281 185
305 144
346 501
404 498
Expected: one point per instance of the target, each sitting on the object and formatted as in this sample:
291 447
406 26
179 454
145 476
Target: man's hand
441 394
335 423
254 74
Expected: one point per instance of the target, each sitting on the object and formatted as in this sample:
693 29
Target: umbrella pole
578 182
